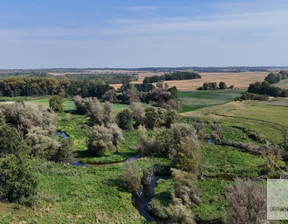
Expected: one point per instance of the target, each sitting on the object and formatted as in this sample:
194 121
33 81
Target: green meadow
69 194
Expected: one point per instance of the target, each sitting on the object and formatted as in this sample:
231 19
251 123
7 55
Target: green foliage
185 156
252 96
162 98
156 117
158 210
25 117
222 85
185 189
111 78
64 153
17 183
144 87
11 141
99 141
173 76
272 78
265 88
131 178
124 119
56 104
32 86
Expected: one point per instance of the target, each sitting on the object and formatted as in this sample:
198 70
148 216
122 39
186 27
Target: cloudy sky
141 33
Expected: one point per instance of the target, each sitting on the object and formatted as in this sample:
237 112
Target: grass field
262 118
93 194
75 195
193 100
283 84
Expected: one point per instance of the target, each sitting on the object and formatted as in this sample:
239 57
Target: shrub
64 153
186 155
41 145
11 141
137 113
253 96
130 95
90 107
185 189
131 178
247 203
94 112
158 210
25 117
108 113
110 96
17 183
124 119
199 127
222 85
272 78
56 104
181 215
116 133
159 117
99 141
160 98
184 148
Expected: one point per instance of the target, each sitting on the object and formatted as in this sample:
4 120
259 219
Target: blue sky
142 33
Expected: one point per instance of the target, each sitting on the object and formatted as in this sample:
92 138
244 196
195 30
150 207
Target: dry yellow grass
239 80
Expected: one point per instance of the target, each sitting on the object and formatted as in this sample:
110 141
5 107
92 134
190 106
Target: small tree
117 135
131 178
247 203
124 119
222 85
64 153
94 112
137 113
11 141
184 148
130 95
108 113
100 140
110 96
17 183
186 155
56 104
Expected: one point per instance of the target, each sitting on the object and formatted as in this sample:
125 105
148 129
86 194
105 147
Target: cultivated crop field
239 80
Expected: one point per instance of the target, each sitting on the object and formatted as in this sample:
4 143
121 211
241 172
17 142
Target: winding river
148 190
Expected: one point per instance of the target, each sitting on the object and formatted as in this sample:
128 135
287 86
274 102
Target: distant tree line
172 76
35 86
213 86
109 78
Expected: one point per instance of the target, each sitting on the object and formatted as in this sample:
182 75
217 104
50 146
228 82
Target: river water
148 194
